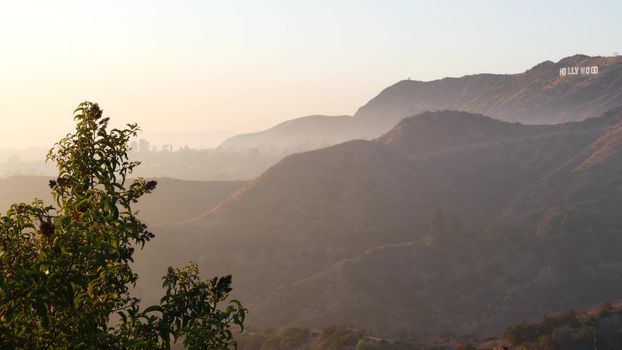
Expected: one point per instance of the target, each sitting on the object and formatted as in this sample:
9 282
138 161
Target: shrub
66 269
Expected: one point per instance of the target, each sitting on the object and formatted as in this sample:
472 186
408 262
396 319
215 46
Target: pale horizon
240 68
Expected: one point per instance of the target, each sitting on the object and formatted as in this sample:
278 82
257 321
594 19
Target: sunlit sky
240 66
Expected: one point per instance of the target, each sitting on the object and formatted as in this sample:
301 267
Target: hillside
339 235
537 96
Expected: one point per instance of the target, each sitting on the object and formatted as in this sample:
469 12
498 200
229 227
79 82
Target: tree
144 146
65 269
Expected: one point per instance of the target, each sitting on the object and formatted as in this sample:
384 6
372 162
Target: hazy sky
187 66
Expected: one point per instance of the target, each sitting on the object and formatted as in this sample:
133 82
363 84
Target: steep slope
313 208
581 195
338 234
605 149
537 96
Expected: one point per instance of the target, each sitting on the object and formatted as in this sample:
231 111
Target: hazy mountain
537 96
338 235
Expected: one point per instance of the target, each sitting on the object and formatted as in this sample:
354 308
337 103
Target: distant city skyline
199 66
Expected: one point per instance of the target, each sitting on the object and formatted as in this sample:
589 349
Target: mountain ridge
538 95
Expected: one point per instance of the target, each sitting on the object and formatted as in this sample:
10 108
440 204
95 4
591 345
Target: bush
294 337
336 338
465 346
66 269
604 309
525 332
544 342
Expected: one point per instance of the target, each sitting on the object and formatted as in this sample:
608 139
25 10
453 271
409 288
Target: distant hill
537 96
301 134
173 201
529 225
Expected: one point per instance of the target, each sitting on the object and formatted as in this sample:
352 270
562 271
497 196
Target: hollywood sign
578 71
